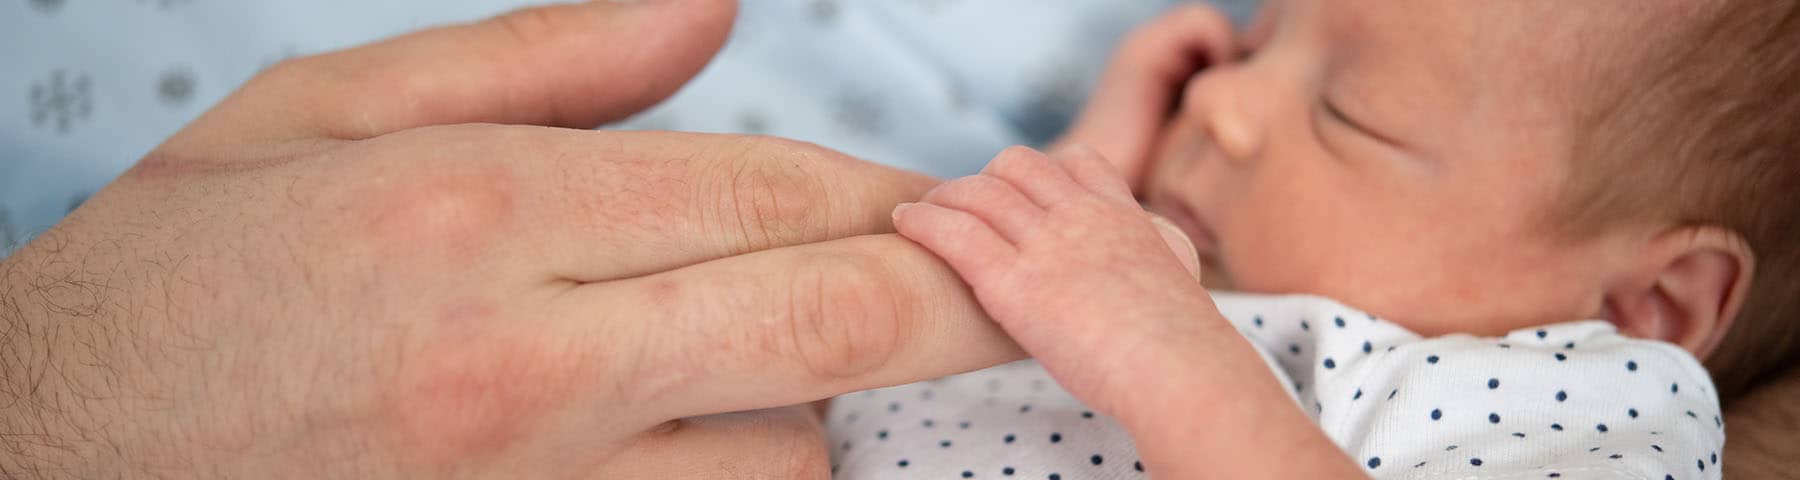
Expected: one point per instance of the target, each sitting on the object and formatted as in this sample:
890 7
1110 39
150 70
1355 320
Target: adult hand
336 273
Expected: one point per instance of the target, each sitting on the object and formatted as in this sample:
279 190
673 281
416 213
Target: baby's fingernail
1178 243
900 208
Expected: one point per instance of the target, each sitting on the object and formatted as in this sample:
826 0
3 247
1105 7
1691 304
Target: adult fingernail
1178 243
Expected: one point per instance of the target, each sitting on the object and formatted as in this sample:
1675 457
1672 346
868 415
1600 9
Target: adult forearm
56 384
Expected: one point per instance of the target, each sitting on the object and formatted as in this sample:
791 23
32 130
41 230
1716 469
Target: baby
1484 240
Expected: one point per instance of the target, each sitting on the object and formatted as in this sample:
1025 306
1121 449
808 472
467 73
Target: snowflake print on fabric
754 123
1057 93
61 100
165 5
176 86
824 12
47 6
932 7
860 115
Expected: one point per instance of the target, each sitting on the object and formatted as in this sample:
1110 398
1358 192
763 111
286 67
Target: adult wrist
51 403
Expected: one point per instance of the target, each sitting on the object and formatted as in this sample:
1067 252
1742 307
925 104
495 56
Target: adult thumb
576 65
1178 243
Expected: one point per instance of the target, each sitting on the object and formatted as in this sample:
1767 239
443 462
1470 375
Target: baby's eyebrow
1400 92
1416 49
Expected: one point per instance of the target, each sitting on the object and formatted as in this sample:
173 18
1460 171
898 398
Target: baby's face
1404 157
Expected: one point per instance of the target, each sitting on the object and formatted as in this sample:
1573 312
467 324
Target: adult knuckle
847 316
527 26
458 400
302 73
779 194
438 210
453 209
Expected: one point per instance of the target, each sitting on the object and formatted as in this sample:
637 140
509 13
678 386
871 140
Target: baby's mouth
1206 243
1184 217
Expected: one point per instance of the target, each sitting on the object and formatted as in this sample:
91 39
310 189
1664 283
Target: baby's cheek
1362 264
1270 257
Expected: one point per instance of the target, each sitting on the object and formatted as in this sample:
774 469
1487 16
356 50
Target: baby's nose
1217 101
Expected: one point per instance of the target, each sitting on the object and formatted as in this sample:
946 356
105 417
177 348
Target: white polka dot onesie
1574 400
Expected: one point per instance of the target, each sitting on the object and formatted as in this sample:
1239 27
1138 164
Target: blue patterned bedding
936 86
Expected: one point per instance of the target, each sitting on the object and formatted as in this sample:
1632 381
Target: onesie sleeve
1573 400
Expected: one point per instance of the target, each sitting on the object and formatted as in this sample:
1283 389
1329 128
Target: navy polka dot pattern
1575 400
1010 421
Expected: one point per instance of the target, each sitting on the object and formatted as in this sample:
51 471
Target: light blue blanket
937 86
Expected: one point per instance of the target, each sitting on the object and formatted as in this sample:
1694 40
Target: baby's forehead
1553 57
1507 34
1580 37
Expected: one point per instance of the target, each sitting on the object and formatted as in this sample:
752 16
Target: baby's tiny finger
1032 173
992 200
968 244
1092 171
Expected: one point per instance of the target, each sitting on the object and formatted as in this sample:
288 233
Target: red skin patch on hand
478 390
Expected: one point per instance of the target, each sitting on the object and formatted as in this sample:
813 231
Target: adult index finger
787 326
611 205
574 65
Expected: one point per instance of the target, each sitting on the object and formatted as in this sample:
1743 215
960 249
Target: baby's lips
1178 212
1179 243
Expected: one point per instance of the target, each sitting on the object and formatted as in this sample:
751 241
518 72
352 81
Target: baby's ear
1690 284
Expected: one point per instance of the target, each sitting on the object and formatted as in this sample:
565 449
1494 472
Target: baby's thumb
1179 243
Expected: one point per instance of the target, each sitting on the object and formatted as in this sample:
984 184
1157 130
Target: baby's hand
1063 258
1084 280
1126 114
